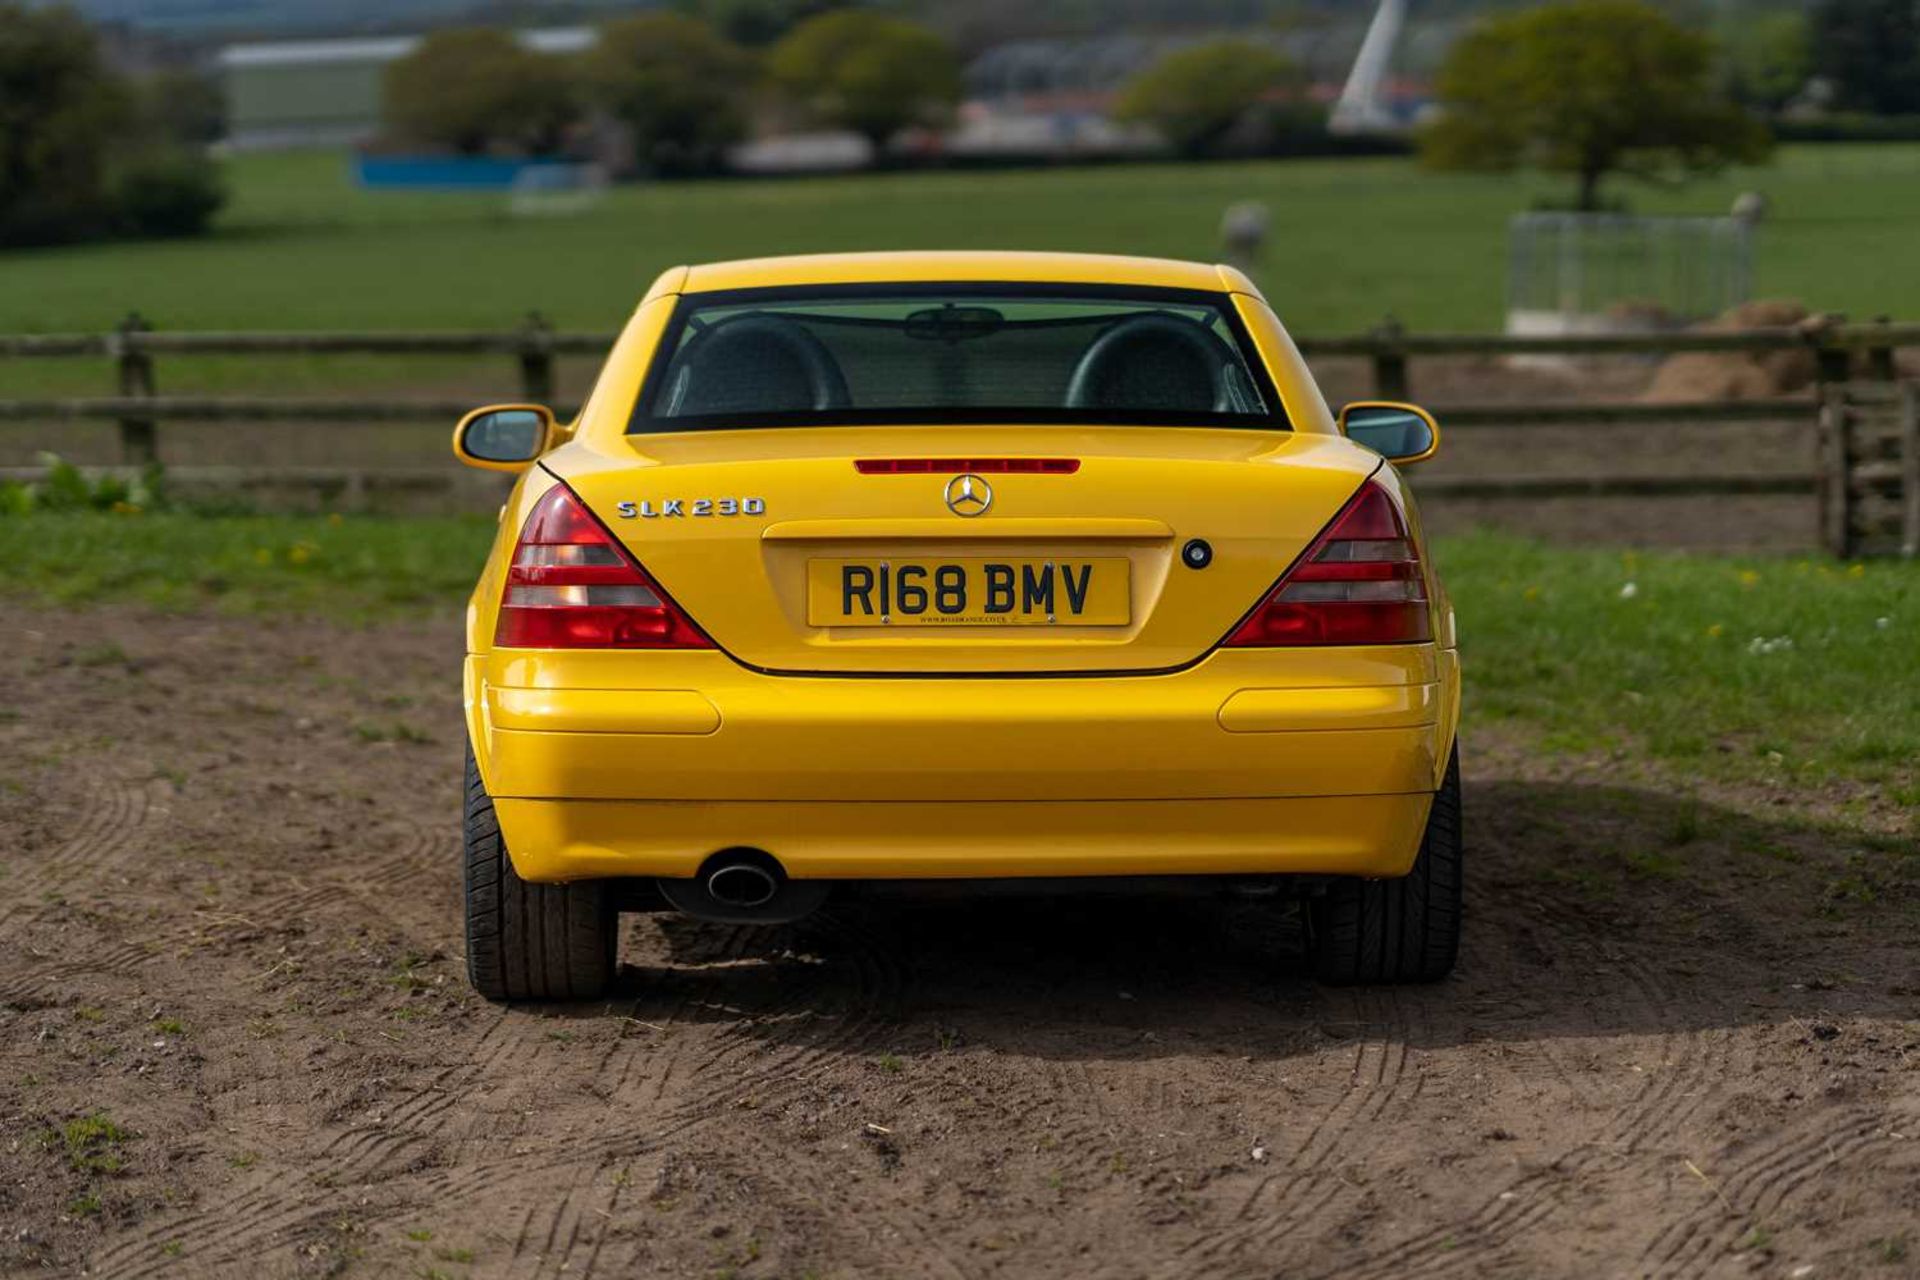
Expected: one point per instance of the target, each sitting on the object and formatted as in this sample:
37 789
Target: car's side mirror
504 437
1401 433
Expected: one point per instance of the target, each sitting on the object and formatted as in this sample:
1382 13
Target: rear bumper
1311 761
1243 724
555 840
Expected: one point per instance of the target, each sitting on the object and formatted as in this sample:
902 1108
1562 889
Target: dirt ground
235 1038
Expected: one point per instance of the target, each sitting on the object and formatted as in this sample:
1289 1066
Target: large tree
1768 57
474 88
867 72
1591 88
1870 51
677 84
61 113
1196 96
756 23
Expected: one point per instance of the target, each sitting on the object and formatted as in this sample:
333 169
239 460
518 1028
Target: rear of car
906 567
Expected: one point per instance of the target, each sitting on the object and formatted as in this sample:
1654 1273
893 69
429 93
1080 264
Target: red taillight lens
1360 583
572 586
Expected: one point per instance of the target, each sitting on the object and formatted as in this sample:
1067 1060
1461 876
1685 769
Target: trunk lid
794 559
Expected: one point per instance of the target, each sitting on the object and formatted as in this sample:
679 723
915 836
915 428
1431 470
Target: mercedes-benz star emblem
969 495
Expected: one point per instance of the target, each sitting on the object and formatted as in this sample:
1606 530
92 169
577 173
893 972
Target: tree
61 111
475 88
186 106
1769 58
167 190
757 23
859 70
1196 96
676 83
1591 88
1870 50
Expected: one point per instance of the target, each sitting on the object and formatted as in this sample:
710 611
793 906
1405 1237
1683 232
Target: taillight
572 586
1360 583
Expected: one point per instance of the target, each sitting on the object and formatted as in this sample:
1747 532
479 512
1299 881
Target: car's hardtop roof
956 266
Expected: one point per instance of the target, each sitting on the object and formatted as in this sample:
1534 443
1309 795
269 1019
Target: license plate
981 592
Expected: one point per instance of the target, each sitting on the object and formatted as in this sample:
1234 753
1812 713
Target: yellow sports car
912 566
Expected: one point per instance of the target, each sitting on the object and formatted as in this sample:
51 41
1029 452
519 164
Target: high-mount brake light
960 466
1360 583
573 586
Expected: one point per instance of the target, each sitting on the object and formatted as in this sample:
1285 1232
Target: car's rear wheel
529 941
1405 930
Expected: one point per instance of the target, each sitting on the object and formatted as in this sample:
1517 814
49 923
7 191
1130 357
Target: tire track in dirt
1661 1106
277 1209
421 855
1081 1126
43 986
106 836
563 1222
1464 1245
722 1060
280 1209
1758 1185
1304 1196
417 858
420 852
772 1045
571 1236
758 1050
1298 1198
928 1254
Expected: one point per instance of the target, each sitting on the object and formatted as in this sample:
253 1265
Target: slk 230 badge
647 509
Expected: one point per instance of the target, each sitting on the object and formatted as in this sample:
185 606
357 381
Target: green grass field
1763 668
301 248
1353 240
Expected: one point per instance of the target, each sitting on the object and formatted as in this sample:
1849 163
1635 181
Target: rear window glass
955 354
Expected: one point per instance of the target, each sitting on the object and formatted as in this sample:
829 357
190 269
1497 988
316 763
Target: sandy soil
1681 1041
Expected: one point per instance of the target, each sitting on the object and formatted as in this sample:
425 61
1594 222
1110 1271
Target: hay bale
1739 375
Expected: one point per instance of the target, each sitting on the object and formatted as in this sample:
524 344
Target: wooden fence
1851 359
1869 447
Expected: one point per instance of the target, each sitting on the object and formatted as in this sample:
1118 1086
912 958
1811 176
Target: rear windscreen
954 353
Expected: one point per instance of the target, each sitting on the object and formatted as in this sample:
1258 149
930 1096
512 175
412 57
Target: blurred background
1509 210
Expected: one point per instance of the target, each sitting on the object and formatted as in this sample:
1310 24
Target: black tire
530 941
1405 930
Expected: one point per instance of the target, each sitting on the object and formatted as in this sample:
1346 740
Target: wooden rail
134 344
1627 413
1843 353
362 480
537 337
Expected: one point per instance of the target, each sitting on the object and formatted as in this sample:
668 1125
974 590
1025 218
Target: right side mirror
1401 433
504 437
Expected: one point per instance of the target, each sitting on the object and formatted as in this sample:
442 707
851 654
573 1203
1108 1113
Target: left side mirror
504 437
1401 433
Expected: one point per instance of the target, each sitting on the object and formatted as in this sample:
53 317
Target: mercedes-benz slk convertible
877 568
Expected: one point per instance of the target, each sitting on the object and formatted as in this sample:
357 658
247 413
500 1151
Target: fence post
1880 362
1833 363
1910 470
536 359
1836 472
138 444
1390 362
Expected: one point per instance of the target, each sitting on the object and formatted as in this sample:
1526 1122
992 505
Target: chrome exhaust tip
742 884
